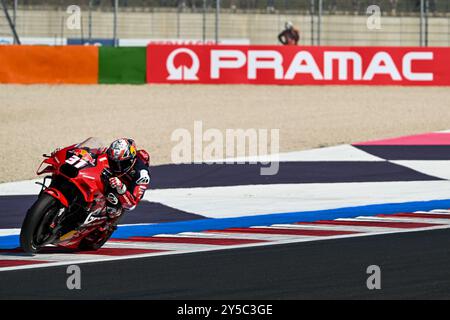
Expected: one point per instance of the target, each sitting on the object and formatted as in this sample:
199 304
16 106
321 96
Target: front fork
55 226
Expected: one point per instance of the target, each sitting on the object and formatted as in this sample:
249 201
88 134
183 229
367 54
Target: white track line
335 227
261 244
9 232
60 259
158 245
434 212
243 235
404 219
52 257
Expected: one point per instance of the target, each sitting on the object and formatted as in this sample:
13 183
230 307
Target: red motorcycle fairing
87 180
73 238
55 193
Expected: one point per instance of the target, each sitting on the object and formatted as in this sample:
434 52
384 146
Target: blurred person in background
417 6
432 7
289 36
393 4
270 6
356 4
186 4
233 5
332 7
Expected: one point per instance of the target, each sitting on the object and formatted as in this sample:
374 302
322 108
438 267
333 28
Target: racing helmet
121 155
288 25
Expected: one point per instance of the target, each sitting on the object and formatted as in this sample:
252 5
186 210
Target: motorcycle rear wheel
35 228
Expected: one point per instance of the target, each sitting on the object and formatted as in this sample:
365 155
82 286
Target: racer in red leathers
130 176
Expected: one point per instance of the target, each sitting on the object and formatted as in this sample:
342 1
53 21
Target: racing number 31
76 161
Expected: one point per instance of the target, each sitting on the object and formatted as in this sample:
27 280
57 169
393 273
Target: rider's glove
118 185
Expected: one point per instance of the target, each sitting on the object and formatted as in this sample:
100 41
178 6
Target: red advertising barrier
298 65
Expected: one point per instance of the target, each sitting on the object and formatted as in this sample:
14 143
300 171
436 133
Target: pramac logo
182 72
237 64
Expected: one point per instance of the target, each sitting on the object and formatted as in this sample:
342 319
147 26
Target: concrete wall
259 28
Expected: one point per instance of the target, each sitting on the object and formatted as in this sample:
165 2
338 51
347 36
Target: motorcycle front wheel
36 231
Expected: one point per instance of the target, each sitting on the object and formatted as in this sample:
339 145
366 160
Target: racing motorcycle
70 211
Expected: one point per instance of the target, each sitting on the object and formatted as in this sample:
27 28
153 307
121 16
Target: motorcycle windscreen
95 145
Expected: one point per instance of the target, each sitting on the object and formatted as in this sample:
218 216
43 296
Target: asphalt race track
226 232
331 269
